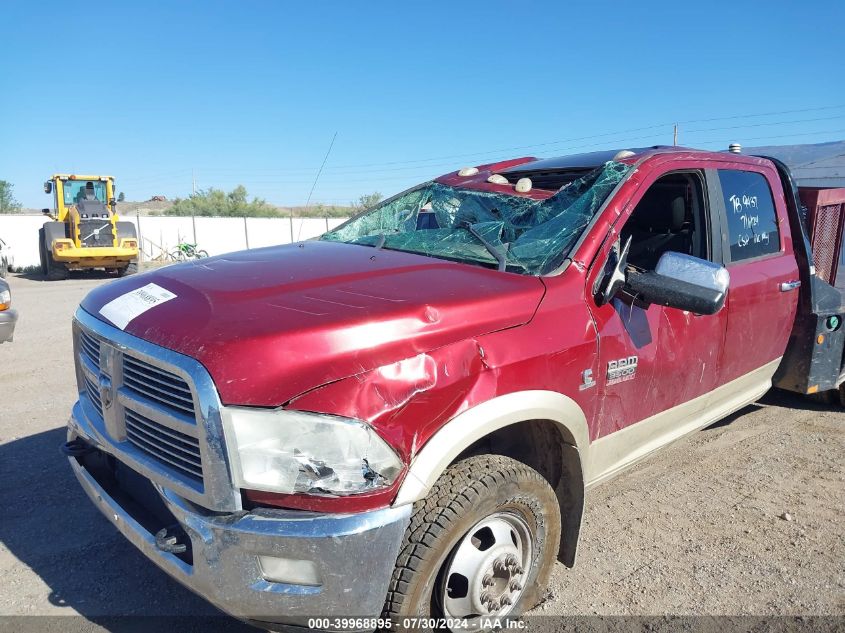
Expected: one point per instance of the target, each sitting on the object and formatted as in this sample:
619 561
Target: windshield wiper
500 255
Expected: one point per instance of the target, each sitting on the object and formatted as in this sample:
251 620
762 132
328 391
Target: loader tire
52 269
126 229
482 543
42 252
130 269
55 270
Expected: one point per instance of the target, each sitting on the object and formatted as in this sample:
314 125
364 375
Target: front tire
482 543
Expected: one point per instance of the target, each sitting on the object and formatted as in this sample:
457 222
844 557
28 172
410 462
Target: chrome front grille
179 450
93 392
158 385
90 346
148 410
155 410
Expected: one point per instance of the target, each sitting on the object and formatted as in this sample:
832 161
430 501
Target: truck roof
549 174
591 160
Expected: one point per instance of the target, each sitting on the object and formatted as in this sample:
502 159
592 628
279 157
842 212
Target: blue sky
252 92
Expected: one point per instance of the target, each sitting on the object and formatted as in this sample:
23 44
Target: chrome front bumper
353 555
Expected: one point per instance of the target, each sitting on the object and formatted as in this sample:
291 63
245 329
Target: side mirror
46 211
48 186
683 282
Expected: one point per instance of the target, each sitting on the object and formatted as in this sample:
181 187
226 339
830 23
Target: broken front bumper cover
352 556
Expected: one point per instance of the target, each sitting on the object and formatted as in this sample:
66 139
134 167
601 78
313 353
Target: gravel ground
745 517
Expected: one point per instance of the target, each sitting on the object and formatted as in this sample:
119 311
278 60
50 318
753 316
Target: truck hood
270 324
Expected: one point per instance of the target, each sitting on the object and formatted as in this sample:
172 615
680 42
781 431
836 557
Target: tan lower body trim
612 453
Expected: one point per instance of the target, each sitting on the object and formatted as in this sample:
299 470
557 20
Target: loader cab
87 196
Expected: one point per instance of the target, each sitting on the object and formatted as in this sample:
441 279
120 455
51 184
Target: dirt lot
746 517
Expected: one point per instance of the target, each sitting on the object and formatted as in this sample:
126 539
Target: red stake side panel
825 219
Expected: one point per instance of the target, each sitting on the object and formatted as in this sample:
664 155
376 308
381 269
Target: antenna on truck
310 193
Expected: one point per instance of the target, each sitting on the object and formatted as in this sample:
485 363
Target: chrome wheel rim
486 572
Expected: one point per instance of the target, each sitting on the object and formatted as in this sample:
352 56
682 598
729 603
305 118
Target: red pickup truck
398 421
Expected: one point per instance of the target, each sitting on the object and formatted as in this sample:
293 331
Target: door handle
786 286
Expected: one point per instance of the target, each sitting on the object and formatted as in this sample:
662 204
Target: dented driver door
656 364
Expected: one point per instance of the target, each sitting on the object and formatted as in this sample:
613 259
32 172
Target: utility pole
193 183
675 135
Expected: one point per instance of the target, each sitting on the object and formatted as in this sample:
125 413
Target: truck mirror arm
614 276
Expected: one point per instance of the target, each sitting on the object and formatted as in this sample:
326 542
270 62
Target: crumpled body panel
409 400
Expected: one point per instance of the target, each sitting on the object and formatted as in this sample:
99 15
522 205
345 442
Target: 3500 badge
621 370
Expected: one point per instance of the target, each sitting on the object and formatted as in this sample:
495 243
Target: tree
8 204
121 197
216 202
367 201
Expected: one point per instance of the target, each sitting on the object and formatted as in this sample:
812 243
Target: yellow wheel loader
84 231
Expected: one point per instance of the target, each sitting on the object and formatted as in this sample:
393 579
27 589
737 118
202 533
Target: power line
743 127
418 163
749 116
582 138
427 169
418 166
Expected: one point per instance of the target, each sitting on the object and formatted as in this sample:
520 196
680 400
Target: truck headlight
295 451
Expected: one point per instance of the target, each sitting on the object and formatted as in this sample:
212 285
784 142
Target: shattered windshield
514 233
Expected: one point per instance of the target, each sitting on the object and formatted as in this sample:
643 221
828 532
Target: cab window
74 190
750 209
670 216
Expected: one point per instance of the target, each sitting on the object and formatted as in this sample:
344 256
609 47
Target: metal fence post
246 233
140 236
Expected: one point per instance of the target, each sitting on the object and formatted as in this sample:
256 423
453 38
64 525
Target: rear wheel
482 544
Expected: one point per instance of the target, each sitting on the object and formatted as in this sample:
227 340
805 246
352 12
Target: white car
7 258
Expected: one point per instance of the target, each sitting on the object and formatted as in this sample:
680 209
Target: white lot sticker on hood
126 307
